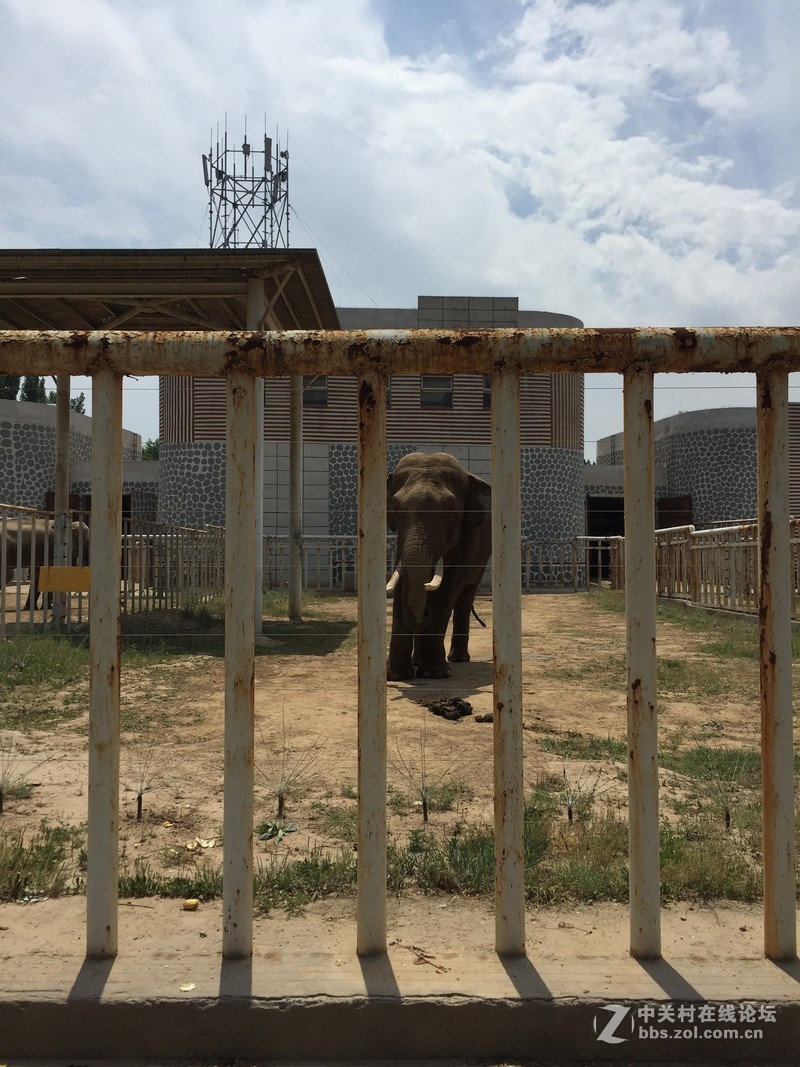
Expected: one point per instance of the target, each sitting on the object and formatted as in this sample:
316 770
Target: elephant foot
399 674
458 657
434 672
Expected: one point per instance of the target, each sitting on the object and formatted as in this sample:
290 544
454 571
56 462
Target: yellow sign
64 579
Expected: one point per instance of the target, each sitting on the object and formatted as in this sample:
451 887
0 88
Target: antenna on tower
248 191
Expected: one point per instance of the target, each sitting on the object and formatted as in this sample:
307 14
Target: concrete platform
577 997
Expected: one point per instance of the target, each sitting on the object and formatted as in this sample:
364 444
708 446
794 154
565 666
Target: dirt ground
306 715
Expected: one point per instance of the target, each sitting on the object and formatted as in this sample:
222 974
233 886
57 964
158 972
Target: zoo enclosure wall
242 359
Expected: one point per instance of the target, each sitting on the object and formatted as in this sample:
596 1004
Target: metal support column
295 498
640 609
371 903
102 871
240 507
256 311
775 607
509 798
61 488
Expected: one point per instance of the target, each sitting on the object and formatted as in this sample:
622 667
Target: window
487 392
315 390
436 391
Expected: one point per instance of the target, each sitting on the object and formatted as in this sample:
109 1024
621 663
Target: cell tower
248 193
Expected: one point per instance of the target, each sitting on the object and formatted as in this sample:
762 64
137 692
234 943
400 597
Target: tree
33 390
150 448
77 403
9 386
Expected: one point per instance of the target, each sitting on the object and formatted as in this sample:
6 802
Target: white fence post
509 799
371 903
102 870
240 517
775 605
640 614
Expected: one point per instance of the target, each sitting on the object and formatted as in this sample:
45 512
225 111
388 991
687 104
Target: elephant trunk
416 568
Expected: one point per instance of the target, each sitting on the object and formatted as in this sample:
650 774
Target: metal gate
372 356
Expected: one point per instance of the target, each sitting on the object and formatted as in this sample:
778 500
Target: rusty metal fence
372 356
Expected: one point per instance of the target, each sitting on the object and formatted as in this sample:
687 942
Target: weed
39 866
203 883
338 821
432 794
14 769
577 793
274 830
289 770
573 745
145 770
36 659
290 885
705 866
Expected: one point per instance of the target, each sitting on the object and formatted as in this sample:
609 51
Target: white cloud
632 162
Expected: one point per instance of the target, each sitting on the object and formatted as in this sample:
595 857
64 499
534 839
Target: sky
629 162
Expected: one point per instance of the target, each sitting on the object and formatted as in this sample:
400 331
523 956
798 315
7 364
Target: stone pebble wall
27 460
717 467
552 490
192 487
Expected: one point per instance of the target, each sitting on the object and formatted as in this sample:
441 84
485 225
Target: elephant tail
477 616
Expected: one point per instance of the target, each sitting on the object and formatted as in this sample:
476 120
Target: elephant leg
401 643
429 654
459 641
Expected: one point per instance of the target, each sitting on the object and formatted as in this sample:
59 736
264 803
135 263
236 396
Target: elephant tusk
438 574
391 584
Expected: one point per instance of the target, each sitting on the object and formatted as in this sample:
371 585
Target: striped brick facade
192 429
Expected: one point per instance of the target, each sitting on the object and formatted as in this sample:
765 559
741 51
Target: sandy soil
306 710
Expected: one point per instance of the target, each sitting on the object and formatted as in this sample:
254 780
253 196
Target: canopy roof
160 289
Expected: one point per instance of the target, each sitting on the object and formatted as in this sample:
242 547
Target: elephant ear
477 504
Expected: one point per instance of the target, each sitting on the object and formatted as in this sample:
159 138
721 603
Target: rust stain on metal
687 339
366 397
77 340
252 341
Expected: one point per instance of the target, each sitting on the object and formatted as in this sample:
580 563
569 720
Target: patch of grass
322 631
700 677
31 711
337 821
712 763
713 866
43 659
574 745
588 861
607 673
584 861
40 865
202 883
14 768
290 885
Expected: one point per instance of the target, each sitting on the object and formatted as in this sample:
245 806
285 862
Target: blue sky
631 162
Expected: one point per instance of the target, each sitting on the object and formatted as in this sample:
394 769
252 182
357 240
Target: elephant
30 543
442 516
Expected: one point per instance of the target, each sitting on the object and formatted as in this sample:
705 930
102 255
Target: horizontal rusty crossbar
351 352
